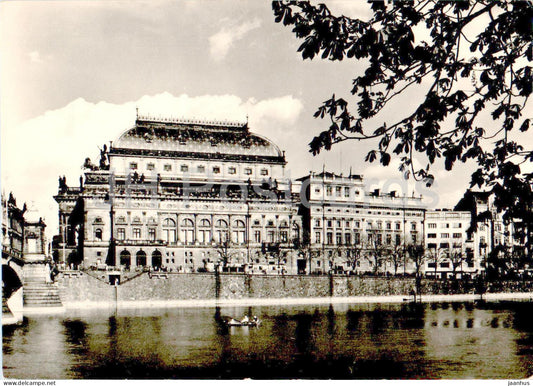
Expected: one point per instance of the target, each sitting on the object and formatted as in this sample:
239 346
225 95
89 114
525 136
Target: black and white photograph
266 190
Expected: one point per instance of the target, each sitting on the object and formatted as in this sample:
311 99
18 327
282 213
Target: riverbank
294 301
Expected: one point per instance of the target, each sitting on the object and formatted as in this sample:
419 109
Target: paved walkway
296 301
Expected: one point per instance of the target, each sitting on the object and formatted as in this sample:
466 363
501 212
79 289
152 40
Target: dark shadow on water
303 367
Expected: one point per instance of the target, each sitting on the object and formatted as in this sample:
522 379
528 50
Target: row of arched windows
140 258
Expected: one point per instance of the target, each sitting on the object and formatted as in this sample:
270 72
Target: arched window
204 231
221 231
125 258
141 258
169 231
156 259
187 231
98 234
237 233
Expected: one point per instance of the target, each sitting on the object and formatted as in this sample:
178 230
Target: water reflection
448 340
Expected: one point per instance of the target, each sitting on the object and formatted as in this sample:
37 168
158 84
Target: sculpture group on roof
103 163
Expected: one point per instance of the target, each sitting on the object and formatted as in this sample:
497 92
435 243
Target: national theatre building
182 196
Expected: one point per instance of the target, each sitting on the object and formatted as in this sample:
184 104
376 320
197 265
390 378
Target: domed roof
206 138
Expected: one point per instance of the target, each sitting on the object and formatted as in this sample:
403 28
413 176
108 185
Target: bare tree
354 255
225 251
456 257
395 257
417 255
435 256
377 251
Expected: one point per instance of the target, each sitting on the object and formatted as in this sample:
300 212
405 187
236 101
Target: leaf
371 156
524 126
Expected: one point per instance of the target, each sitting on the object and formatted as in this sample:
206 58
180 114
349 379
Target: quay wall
199 286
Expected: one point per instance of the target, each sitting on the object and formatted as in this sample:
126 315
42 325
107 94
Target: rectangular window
358 224
356 238
432 235
232 170
413 226
328 190
184 168
317 223
444 235
445 265
388 225
444 245
456 235
338 191
379 239
338 239
264 172
257 236
432 246
167 168
338 223
398 226
136 233
398 239
347 238
284 237
150 166
121 233
432 225
248 171
346 192
388 238
133 165
329 237
151 234
457 225
200 169
317 237
216 169
330 223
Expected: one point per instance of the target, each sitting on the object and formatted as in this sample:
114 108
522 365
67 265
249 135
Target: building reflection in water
335 341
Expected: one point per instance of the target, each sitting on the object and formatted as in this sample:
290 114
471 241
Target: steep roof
167 136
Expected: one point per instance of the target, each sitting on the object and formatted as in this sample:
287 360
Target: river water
371 341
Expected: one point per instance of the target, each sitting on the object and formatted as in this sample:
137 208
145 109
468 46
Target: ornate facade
184 196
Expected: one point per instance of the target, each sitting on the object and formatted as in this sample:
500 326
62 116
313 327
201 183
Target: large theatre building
182 196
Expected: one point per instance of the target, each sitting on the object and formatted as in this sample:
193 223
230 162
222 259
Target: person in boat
245 319
255 319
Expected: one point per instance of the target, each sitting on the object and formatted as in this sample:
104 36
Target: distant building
449 247
12 227
350 230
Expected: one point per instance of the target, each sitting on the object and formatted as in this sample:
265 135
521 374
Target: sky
72 74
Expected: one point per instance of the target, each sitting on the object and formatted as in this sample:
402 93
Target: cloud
35 57
223 40
36 152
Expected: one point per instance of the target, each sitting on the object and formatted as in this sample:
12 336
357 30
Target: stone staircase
39 291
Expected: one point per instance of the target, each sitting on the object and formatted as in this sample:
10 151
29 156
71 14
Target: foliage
468 74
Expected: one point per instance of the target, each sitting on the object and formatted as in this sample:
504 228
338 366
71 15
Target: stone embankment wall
86 288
